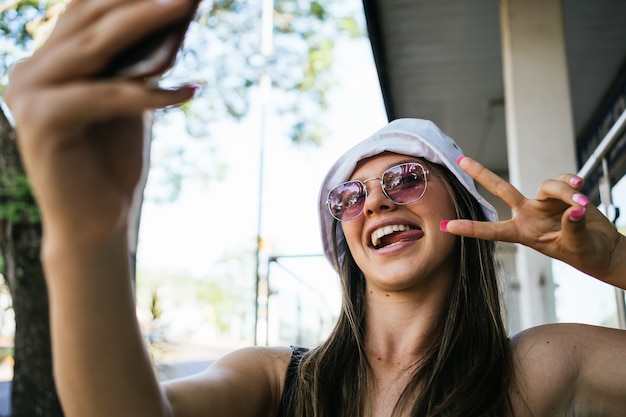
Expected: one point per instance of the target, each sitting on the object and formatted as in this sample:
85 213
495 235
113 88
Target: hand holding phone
153 55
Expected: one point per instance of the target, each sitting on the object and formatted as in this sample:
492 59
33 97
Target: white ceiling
441 60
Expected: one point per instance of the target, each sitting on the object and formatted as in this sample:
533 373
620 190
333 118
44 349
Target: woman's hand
81 136
559 222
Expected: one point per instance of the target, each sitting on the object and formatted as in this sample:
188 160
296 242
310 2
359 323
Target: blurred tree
223 49
33 392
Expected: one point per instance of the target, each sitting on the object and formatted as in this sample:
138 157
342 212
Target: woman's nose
376 200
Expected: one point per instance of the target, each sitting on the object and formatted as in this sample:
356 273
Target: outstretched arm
558 222
80 138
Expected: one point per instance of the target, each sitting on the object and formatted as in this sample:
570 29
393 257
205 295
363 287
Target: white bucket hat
411 137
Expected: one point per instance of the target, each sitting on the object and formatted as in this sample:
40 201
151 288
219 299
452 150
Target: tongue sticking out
399 236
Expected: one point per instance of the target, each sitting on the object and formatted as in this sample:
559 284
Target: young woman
420 332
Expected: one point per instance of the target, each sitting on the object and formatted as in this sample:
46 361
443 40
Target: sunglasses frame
425 173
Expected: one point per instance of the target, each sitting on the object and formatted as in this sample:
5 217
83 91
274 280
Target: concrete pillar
539 127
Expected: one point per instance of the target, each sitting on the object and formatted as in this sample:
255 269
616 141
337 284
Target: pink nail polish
459 159
576 181
578 198
195 86
443 225
577 215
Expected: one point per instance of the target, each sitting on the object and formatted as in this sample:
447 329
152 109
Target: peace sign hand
559 222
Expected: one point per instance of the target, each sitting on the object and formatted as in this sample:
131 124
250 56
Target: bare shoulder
568 369
268 358
255 373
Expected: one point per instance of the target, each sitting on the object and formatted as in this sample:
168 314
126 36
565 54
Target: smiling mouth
394 233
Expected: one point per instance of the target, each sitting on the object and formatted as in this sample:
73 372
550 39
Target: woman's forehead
386 160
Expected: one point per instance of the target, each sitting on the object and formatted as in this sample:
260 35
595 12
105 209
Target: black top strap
297 352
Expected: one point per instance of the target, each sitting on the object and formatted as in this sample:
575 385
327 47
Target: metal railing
600 157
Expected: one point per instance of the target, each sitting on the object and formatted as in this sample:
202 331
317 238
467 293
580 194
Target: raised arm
571 369
558 222
81 142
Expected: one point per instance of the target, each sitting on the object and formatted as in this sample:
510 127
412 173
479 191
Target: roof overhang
443 61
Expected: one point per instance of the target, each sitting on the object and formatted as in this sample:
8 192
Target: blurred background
227 250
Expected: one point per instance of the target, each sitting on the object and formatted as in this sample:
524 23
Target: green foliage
17 18
216 300
19 21
307 132
352 27
16 25
223 50
155 305
16 201
318 10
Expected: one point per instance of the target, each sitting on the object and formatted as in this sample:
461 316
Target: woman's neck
400 329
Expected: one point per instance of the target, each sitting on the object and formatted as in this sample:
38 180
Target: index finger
503 231
89 34
492 182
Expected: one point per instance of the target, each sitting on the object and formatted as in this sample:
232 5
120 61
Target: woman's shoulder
272 360
546 334
566 341
543 369
549 363
559 349
256 373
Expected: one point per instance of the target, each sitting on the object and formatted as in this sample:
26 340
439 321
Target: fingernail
443 225
577 215
188 88
459 159
576 181
578 198
195 87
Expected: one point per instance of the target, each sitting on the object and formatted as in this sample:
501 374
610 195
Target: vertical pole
539 126
265 90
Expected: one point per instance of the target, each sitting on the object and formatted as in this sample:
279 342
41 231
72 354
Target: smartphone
153 55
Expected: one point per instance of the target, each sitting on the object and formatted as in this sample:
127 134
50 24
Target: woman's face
417 257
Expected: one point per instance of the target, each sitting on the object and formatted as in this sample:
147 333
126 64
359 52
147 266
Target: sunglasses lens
345 202
405 183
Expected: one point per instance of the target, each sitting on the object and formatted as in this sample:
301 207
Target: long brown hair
466 373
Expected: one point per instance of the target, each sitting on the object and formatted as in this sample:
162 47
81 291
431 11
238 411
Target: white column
539 127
